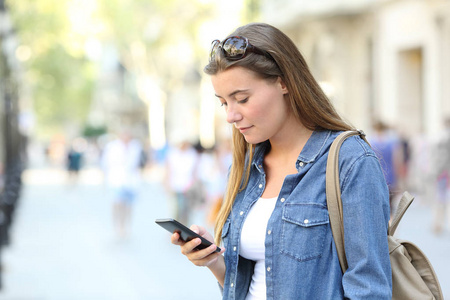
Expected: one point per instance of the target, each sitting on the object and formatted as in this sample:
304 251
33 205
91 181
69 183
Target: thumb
196 229
202 231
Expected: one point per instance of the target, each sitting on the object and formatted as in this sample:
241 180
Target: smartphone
185 233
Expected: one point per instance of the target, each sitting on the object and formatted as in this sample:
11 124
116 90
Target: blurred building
376 59
116 103
126 98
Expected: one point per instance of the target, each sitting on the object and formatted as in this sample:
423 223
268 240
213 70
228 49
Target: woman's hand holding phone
197 245
203 257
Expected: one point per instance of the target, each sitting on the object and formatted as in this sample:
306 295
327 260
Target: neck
289 144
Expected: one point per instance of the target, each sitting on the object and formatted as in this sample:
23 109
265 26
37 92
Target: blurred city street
63 246
96 93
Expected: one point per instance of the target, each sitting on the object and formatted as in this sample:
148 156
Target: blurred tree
93 132
60 76
252 11
156 39
158 44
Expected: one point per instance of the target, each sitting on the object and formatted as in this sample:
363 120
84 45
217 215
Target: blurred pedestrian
145 157
441 165
388 148
207 171
120 161
222 163
405 154
181 179
75 158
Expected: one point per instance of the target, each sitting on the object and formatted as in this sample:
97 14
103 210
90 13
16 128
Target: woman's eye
243 101
223 104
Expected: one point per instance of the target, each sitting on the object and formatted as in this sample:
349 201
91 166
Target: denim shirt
300 254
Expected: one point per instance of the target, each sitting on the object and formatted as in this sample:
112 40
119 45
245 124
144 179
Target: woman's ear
283 86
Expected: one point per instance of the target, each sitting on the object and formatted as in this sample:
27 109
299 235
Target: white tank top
252 244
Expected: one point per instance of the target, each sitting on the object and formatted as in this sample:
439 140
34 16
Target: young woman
273 224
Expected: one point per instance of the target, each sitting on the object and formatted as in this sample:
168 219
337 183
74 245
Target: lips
244 129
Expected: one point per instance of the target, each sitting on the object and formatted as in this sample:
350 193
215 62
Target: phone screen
185 233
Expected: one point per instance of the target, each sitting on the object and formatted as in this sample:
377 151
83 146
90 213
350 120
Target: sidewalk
63 247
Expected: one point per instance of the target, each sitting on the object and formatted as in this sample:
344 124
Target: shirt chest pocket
303 230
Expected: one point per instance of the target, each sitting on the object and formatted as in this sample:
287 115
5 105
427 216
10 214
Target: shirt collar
314 146
312 149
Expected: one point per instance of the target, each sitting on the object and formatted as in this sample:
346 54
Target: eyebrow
234 93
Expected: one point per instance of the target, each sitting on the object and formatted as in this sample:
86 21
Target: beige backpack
413 276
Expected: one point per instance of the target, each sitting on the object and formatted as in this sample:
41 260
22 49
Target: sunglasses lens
214 47
235 47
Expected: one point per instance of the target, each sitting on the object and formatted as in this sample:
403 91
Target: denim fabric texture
301 258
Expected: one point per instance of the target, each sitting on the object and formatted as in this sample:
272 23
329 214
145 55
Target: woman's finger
176 240
205 256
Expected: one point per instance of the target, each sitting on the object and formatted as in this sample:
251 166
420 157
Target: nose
233 115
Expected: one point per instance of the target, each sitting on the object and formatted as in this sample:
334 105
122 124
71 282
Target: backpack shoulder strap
403 205
333 193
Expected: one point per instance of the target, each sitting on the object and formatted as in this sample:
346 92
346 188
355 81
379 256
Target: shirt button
282 199
268 269
234 248
269 232
301 164
260 186
306 221
241 213
232 284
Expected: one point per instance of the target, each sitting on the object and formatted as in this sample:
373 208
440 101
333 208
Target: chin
254 140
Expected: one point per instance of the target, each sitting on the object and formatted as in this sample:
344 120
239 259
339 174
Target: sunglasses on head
235 48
